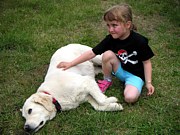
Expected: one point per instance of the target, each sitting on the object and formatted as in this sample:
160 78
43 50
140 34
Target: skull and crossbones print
124 57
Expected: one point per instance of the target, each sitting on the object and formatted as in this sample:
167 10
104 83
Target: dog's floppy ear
44 100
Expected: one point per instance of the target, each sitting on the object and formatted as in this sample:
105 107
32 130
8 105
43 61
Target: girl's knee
131 94
130 99
108 55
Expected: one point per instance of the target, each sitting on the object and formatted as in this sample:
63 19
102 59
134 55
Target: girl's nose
111 29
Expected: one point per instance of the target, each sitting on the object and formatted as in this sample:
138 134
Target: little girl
126 54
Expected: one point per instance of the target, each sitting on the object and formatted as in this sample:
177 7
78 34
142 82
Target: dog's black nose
27 128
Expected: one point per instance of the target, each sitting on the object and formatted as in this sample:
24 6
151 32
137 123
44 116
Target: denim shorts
129 78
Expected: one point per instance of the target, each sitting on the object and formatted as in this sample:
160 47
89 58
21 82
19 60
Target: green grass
31 31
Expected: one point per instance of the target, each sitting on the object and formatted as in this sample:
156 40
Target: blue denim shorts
129 78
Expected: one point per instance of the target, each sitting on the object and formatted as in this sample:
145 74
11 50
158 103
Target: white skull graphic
124 57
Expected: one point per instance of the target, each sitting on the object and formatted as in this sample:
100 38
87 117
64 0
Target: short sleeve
145 52
102 46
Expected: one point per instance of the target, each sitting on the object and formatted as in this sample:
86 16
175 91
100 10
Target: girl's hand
64 65
150 89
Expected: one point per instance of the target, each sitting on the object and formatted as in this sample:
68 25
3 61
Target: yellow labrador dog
65 90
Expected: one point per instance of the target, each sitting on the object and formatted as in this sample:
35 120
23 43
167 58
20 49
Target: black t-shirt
131 51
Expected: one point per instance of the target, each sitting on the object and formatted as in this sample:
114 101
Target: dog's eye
29 111
41 123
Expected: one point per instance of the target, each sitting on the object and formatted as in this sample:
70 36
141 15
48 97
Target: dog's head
37 109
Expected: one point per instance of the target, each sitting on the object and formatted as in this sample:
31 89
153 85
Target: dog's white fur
70 88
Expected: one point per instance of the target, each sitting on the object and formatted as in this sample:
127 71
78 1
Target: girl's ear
128 24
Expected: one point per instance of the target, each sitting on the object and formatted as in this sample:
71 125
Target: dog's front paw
120 107
111 100
116 107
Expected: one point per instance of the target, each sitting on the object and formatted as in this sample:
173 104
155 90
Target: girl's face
118 29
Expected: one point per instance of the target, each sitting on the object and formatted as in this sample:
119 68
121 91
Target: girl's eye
29 111
114 25
108 25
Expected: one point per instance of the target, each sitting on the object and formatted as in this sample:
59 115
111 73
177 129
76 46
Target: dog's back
72 51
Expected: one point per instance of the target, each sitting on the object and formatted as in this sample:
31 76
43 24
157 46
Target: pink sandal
104 85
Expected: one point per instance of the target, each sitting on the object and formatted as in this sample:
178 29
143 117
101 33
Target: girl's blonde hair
121 13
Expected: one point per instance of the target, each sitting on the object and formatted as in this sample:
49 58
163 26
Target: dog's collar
55 102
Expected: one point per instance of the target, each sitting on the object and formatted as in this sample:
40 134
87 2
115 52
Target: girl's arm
148 76
82 58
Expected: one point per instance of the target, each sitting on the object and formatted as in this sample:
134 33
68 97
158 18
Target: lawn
32 30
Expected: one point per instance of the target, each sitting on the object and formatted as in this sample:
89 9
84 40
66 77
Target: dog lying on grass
65 90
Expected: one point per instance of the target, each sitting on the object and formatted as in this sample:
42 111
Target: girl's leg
110 63
131 94
133 84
